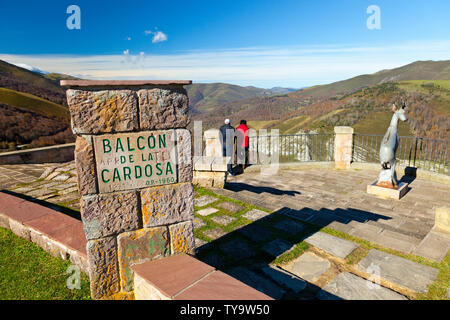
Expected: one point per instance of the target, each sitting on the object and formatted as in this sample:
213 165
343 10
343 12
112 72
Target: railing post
213 144
343 142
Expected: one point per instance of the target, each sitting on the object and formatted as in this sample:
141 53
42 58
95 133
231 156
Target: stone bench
182 277
58 234
210 171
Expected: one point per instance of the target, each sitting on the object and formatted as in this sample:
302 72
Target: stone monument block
103 111
182 237
167 204
184 155
163 108
110 214
103 267
85 163
134 162
140 246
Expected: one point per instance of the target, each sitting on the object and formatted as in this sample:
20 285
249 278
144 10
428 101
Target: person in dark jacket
227 134
242 144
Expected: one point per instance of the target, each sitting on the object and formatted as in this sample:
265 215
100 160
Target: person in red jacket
242 144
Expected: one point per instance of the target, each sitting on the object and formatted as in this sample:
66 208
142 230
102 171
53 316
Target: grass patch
297 251
29 273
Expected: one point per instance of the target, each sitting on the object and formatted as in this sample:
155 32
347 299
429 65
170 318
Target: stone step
182 277
393 269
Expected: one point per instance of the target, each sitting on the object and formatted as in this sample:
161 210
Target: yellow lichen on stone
120 296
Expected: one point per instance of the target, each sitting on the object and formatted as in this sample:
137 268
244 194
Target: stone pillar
134 164
343 143
442 219
213 144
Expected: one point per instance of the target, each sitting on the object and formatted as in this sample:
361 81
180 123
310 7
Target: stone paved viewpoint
268 233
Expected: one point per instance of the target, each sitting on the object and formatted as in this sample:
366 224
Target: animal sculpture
389 145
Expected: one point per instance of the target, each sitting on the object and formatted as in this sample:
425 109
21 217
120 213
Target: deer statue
389 144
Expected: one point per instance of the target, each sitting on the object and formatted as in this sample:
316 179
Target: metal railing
422 153
303 147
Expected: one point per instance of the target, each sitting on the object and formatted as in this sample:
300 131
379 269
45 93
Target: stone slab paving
207 211
214 233
305 194
257 282
255 214
230 206
277 247
308 266
223 220
434 246
290 226
237 249
204 201
345 206
333 245
348 286
284 278
408 274
255 233
199 242
198 223
12 175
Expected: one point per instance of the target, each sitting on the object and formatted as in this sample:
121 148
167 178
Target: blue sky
261 43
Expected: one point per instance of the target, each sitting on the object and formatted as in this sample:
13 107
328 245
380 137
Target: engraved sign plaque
135 160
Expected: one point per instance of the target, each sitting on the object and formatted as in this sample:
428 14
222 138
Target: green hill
33 103
23 80
368 110
205 97
431 70
350 101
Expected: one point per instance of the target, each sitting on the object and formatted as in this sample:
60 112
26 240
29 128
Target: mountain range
362 102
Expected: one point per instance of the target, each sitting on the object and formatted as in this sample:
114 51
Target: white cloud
264 67
158 36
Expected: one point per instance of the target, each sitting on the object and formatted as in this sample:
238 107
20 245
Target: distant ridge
23 80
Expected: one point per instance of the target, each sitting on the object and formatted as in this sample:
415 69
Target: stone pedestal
134 164
343 147
385 192
210 172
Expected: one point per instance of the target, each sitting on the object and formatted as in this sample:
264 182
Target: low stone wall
375 167
52 154
210 172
